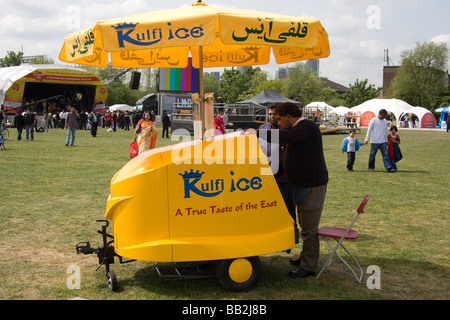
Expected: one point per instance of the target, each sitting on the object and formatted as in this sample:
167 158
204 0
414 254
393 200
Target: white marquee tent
371 108
321 106
426 118
121 107
341 111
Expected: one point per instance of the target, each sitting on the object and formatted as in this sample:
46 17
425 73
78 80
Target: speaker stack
135 80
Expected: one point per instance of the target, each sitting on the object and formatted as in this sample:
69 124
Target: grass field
51 195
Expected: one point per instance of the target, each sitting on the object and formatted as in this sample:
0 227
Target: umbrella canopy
213 36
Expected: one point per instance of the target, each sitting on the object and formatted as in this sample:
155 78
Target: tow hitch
105 254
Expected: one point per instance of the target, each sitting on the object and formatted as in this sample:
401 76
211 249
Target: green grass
51 196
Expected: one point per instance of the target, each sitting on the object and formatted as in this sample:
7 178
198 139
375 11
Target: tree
234 84
303 85
421 76
228 90
11 59
331 97
360 92
42 60
444 99
211 84
120 93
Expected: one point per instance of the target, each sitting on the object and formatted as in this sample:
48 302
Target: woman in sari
146 134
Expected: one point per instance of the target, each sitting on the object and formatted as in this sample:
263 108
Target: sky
359 30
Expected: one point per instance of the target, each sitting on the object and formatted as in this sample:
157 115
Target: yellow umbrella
212 36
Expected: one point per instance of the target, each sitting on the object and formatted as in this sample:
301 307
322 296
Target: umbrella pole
202 91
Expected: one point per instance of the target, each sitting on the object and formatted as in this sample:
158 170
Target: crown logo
124 26
251 48
192 174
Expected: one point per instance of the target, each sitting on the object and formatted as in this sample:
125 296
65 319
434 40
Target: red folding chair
340 235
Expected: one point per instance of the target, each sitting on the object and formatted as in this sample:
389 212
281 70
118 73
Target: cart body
200 200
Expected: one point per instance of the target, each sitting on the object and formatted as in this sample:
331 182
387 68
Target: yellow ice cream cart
208 202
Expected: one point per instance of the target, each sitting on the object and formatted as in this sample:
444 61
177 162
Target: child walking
351 145
394 151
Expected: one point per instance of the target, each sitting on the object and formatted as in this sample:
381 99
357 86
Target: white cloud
442 38
372 48
356 50
12 23
349 5
345 25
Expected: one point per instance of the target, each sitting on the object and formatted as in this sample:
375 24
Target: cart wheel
111 281
239 274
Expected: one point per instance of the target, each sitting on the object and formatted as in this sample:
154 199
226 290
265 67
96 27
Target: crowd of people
71 119
74 119
62 114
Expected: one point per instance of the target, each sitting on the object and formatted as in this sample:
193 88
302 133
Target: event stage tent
371 108
426 118
267 97
44 81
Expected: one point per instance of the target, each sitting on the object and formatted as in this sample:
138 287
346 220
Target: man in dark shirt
71 125
305 168
20 124
274 161
29 120
166 124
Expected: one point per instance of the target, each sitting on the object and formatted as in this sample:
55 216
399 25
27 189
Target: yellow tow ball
240 270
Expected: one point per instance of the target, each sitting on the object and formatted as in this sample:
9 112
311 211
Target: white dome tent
320 111
321 106
371 108
426 118
121 107
341 111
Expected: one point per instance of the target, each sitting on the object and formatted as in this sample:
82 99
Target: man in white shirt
62 119
378 128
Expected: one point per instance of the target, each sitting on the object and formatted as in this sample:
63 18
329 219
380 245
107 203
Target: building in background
313 66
